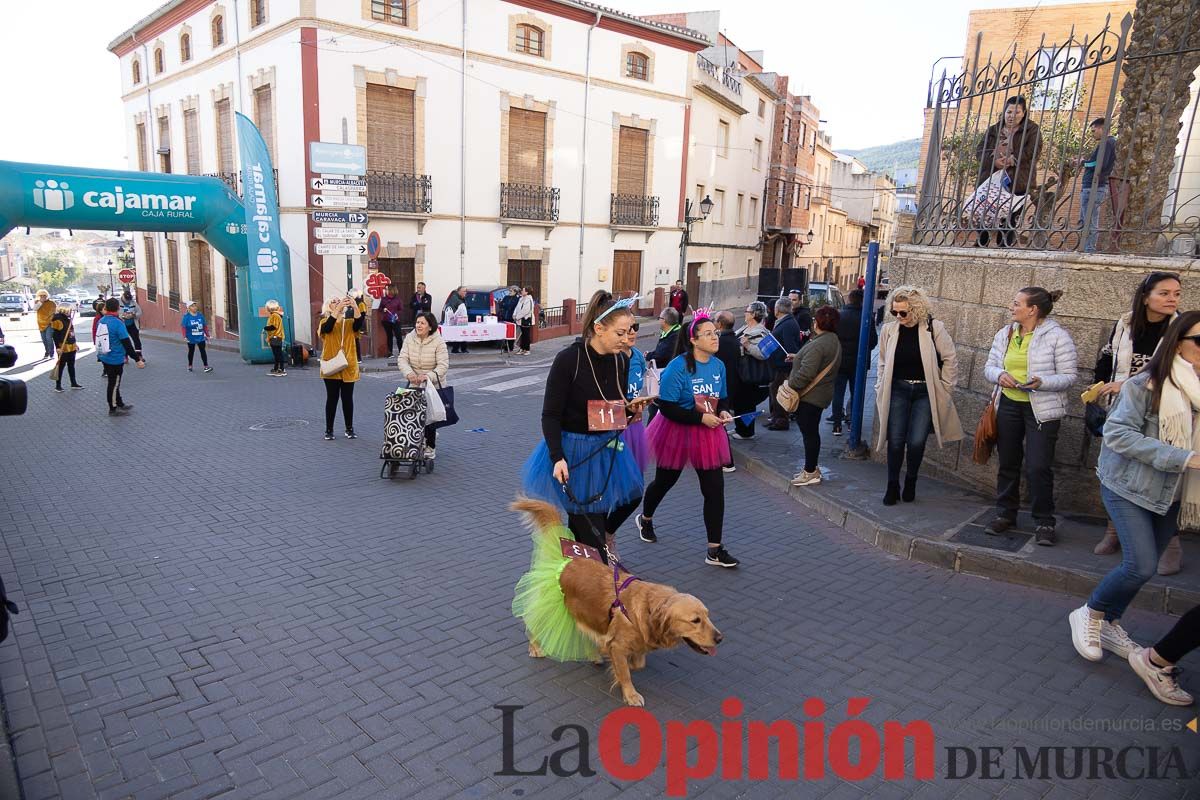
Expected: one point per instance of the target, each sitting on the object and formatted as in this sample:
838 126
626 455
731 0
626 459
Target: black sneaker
329 436
59 389
720 558
126 406
119 411
350 434
208 369
1045 535
76 385
645 529
837 429
999 525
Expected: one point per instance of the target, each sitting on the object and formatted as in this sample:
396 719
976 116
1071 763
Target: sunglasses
900 314
634 327
1193 339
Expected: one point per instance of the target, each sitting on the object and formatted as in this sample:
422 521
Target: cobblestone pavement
210 610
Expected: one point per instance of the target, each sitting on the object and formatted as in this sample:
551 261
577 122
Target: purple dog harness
618 588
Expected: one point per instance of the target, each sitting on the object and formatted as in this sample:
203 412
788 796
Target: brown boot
1109 543
1172 558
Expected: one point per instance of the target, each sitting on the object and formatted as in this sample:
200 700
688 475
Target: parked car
483 300
66 302
85 305
13 304
825 294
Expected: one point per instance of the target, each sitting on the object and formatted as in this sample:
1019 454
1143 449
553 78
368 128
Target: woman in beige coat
916 374
424 357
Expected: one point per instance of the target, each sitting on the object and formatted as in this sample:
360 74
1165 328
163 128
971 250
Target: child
195 331
274 331
64 339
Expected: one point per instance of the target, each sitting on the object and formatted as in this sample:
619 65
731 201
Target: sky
866 64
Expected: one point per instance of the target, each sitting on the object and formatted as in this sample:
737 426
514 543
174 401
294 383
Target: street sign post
337 159
339 201
339 217
341 249
127 275
357 234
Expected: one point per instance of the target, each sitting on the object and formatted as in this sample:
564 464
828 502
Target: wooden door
524 273
403 274
627 273
692 284
201 277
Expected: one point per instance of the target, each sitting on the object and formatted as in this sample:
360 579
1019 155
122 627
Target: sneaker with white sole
719 557
730 468
1114 639
645 529
1163 682
430 453
806 478
1085 633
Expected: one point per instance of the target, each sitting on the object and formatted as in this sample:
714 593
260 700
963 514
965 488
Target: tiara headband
701 315
626 303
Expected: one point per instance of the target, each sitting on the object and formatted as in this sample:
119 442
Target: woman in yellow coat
339 328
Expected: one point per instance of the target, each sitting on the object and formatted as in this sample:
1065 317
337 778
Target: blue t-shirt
637 373
193 327
680 386
109 333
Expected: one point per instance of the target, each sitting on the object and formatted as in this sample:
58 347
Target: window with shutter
530 40
151 271
185 48
637 66
264 116
393 11
631 161
258 12
191 140
723 127
159 62
526 147
218 31
225 162
391 143
172 273
231 302
141 145
164 143
137 71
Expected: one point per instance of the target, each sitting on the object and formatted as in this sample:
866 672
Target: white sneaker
1085 634
743 438
730 468
430 453
1114 639
1163 682
805 478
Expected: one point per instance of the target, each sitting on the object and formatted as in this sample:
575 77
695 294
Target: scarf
1176 427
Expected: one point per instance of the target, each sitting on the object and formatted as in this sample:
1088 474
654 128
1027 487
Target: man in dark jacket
802 314
729 351
421 301
668 339
847 333
1102 160
787 334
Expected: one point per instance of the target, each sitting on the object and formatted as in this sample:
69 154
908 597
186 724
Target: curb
958 557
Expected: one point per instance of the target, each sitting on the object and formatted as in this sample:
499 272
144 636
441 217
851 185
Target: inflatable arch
44 196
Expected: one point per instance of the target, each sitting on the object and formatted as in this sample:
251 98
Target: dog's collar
618 587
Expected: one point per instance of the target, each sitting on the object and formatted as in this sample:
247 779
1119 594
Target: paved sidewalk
945 526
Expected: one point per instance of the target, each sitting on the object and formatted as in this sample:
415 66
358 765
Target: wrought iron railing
551 316
581 310
724 75
526 201
822 194
234 180
397 191
633 209
1021 183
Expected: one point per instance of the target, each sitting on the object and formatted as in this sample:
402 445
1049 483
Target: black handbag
753 372
1094 416
447 395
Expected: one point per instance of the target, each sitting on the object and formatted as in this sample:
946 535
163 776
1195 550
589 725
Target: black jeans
134 335
842 384
523 337
112 374
391 331
334 389
712 488
778 416
277 352
68 364
910 419
1182 639
591 529
192 347
1021 438
808 419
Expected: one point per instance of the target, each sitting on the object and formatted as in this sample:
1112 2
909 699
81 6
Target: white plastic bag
435 409
650 381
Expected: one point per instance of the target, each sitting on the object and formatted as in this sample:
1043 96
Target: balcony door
526 272
200 261
526 147
403 274
391 142
632 158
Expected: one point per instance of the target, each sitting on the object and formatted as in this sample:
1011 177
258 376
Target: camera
13 396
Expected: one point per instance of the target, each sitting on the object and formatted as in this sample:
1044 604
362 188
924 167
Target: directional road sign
347 249
340 184
340 233
339 217
339 201
338 159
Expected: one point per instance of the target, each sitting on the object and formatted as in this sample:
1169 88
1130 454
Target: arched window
258 12
531 40
185 47
637 66
218 31
137 71
159 63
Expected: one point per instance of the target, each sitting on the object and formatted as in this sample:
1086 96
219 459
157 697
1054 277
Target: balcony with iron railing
633 211
233 180
399 192
822 194
720 83
530 204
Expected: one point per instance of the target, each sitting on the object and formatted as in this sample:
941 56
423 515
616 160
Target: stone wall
972 289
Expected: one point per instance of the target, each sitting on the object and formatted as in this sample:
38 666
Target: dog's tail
539 515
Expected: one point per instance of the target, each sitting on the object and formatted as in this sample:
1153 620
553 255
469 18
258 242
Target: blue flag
269 274
769 345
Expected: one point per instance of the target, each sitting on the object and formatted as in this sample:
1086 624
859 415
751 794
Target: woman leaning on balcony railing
1012 145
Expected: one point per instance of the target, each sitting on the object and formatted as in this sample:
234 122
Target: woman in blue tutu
583 464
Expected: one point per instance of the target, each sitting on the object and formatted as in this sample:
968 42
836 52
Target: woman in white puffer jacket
1032 363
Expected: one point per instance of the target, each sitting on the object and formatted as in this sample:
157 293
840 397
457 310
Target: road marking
29 372
516 383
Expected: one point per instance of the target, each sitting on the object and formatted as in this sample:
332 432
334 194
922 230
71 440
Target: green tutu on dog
539 601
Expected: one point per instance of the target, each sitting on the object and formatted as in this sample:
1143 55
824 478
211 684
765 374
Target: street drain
975 535
279 424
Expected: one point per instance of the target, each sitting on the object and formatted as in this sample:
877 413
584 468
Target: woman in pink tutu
693 402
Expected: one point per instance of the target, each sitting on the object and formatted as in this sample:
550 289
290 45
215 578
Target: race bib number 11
606 415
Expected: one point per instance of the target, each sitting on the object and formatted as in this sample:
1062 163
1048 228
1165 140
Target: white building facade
537 142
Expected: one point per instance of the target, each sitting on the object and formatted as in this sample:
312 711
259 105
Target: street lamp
706 206
809 238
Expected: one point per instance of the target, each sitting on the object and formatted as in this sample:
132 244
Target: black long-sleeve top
1143 348
329 321
570 385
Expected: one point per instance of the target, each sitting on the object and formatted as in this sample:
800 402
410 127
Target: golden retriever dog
656 617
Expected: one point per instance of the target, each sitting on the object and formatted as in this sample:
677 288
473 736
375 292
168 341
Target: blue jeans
1144 536
1097 198
910 419
841 383
48 341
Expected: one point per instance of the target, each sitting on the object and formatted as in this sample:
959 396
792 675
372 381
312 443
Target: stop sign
377 284
127 275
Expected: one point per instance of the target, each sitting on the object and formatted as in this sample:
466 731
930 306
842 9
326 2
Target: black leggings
712 488
68 364
134 335
1182 639
430 436
808 418
112 374
192 352
277 351
333 389
590 529
391 332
